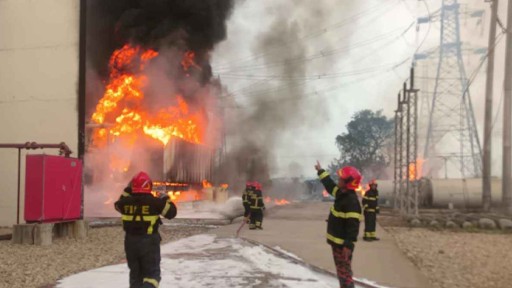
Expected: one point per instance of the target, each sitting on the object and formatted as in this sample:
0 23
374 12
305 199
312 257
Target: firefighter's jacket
141 212
246 197
343 222
371 200
256 200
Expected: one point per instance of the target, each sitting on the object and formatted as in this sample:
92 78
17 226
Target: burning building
151 102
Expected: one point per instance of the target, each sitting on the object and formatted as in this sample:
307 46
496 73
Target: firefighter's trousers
256 218
143 256
343 260
247 210
370 220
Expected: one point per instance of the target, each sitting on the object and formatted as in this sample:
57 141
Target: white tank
444 193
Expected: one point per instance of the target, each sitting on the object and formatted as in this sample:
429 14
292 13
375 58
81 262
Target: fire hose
241 226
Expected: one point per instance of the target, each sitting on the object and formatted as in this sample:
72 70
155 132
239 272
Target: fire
206 184
415 169
174 195
281 201
224 186
122 108
278 202
362 190
188 61
184 196
177 192
325 193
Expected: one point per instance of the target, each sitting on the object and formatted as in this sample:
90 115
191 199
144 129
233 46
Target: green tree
366 143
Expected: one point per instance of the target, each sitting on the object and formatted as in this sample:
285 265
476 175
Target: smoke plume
279 104
183 34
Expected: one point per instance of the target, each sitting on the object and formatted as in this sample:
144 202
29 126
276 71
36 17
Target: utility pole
486 171
507 109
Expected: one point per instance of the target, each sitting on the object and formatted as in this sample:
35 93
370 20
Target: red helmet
248 184
141 183
257 185
352 175
373 182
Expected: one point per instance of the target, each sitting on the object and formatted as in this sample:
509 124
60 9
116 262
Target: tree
366 142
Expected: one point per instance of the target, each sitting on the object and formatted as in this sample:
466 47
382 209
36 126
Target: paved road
300 229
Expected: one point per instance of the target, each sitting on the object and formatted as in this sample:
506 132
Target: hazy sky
354 55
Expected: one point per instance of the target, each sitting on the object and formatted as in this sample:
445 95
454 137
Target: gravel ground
458 259
38 266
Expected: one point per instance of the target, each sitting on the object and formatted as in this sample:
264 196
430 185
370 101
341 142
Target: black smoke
187 24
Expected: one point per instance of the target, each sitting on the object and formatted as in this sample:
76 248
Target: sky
349 56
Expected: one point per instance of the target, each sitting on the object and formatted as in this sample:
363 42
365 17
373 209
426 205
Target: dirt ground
455 258
42 266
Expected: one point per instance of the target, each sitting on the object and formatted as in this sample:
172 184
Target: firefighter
246 197
257 207
344 218
127 192
371 209
141 217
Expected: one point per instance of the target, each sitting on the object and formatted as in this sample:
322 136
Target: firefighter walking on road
246 200
344 218
371 209
257 207
141 218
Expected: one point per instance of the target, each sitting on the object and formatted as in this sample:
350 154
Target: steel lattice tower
452 129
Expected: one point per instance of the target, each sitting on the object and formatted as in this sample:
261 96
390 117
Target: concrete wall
38 84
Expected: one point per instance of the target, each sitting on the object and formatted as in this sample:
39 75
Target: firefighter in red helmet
344 218
257 207
371 209
246 197
141 218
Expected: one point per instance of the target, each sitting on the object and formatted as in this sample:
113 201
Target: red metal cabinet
53 188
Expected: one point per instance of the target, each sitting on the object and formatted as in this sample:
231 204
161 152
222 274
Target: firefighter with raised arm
141 218
246 200
371 209
127 192
257 207
344 218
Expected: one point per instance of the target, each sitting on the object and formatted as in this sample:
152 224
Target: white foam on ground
206 261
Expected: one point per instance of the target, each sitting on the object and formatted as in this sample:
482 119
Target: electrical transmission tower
451 132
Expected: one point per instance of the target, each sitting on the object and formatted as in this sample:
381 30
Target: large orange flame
121 107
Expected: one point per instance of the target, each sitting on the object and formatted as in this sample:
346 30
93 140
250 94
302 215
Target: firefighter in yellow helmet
371 209
343 222
141 217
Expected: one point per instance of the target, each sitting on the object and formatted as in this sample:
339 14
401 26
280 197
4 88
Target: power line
324 54
318 33
319 93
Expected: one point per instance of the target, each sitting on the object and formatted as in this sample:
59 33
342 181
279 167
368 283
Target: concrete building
40 85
